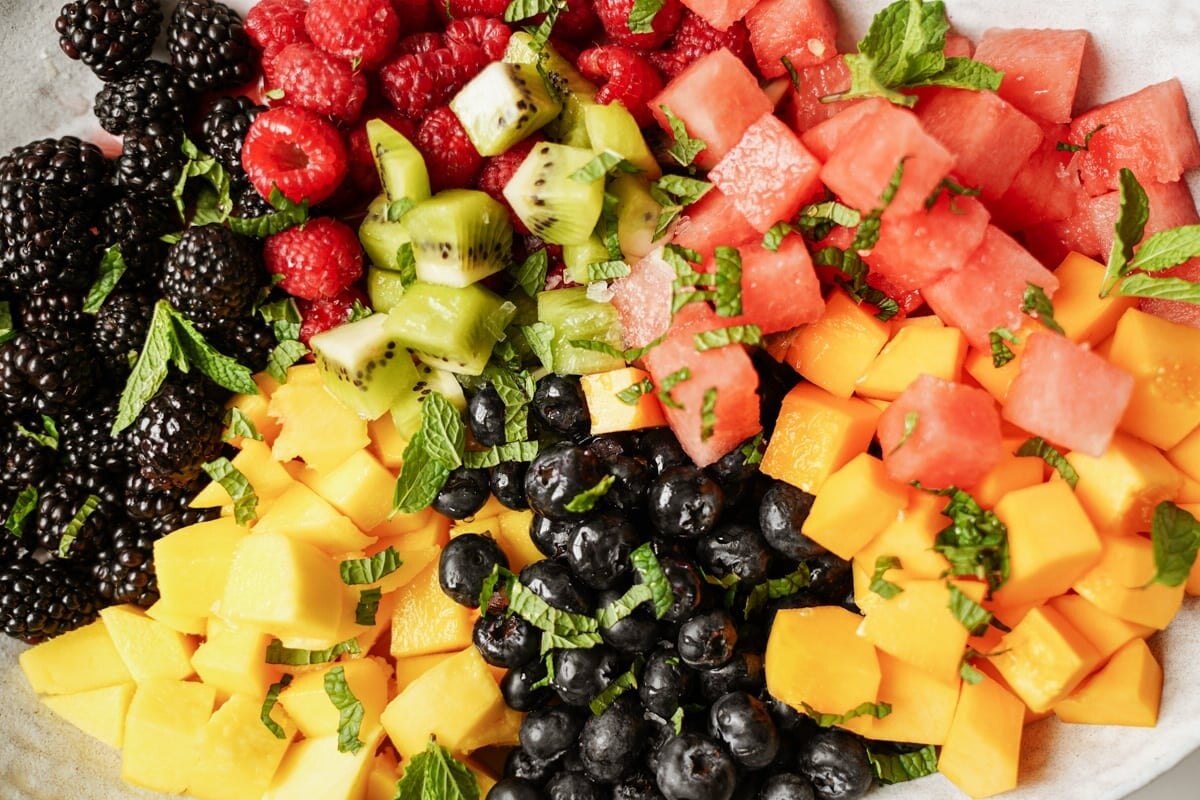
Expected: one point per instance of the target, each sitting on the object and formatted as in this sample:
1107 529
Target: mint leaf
964 73
1167 249
708 414
951 187
368 606
684 148
398 208
601 165
998 338
112 267
442 430
350 710
24 505
1039 447
1175 535
974 617
595 346
220 369
1128 231
203 166
7 332
607 228
358 571
283 317
968 672
530 274
47 438
670 382
880 586
1177 289
774 236
910 425
728 297
518 10
651 574
624 605
71 531
159 350
421 478
560 628
975 542
1036 304
606 270
631 395
585 501
723 337
437 775
891 768
540 336
231 479
793 75
509 451
295 657
673 193
286 215
778 588
634 353
621 684
876 710
816 220
284 355
677 720
752 451
269 705
516 388
1067 147
641 16
237 424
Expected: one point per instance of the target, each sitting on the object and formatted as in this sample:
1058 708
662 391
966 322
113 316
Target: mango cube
315 715
258 465
1043 658
1186 455
1011 473
52 667
98 712
910 538
515 541
1120 584
150 649
816 434
503 730
1106 633
232 661
854 505
240 754
170 616
1120 489
914 350
315 768
837 349
983 749
412 563
922 706
387 441
256 408
425 620
314 426
1164 359
413 667
1084 315
164 730
305 516
192 565
415 524
1127 691
609 413
360 487
381 783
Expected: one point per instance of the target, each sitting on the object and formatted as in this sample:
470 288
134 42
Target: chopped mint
47 438
677 720
296 657
601 165
71 531
708 414
816 220
1036 304
624 605
621 684
999 338
530 274
891 768
518 10
595 346
876 710
231 479
540 336
1067 147
398 208
560 629
606 270
1175 535
203 166
368 606
778 588
1133 213
509 451
433 452
360 571
968 672
793 75
7 332
687 280
880 585
350 710
269 705
606 227
975 542
286 215
727 295
632 394
24 505
752 451
112 267
406 265
723 337
220 369
238 425
284 318
274 94
684 148
586 500
516 388
774 237
951 187
634 353
160 349
1168 248
1039 447
641 16
673 193
1177 289
284 355
437 775
910 425
651 573
974 617
670 382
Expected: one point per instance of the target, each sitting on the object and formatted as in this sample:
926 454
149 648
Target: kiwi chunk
401 165
637 215
611 127
459 236
502 105
381 237
576 258
575 91
363 365
406 410
551 203
451 328
577 317
384 288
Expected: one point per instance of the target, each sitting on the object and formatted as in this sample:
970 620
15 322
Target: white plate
42 758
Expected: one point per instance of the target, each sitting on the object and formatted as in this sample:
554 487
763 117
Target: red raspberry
696 38
318 316
425 42
577 23
418 82
487 33
312 79
450 157
415 15
363 172
461 9
274 24
498 171
297 151
317 259
614 16
361 31
627 76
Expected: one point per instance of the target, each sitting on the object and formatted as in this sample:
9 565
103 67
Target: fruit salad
598 399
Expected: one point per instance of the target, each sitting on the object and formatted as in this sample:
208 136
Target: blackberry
145 501
213 275
177 432
39 601
45 241
209 46
47 372
53 310
69 162
121 327
153 92
86 442
110 36
173 521
224 130
137 223
151 159
64 505
248 202
124 567
249 340
24 460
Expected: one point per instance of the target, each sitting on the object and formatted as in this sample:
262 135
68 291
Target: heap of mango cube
180 688
1078 599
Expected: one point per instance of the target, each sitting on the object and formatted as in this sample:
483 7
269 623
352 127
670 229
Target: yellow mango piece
412 563
1043 658
171 617
99 712
387 441
258 465
609 413
922 706
837 349
52 667
1192 587
284 587
453 701
403 532
515 541
315 768
1010 473
150 649
855 503
360 487
1189 492
1106 633
315 715
1164 359
1051 542
1120 584
232 661
314 426
980 365
983 748
480 524
192 565
503 730
815 656
304 515
486 777
1126 691
1120 489
256 408
410 668
240 754
164 730
913 351
817 433
917 626
425 620
381 783
910 538
1186 455
1084 315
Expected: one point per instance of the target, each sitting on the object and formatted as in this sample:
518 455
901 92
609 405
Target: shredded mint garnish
358 571
231 479
967 670
601 165
586 500
778 588
269 705
530 274
880 585
350 710
910 425
398 208
633 394
974 617
540 336
975 542
406 265
71 531
295 657
112 267
516 388
1177 289
607 226
774 237
509 451
876 710
684 149
284 355
793 75
238 425
727 297
651 573
1175 535
437 775
816 220
1039 447
670 382
623 683
1134 212
1067 147
283 317
951 187
203 166
368 606
752 451
641 16
24 505
723 337
1036 304
708 414
674 193
518 10
999 338
48 437
891 768
433 452
606 270
7 332
286 215
560 629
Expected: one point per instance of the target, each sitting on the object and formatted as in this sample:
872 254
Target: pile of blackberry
80 509
700 724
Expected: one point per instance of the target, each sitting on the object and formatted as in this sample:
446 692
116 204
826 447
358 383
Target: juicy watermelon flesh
804 108
824 137
917 249
720 13
780 290
1041 68
643 299
1090 229
803 31
712 221
1044 189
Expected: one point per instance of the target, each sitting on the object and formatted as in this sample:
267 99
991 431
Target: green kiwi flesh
576 258
451 328
502 105
363 365
551 203
384 288
406 410
401 166
577 317
459 236
381 237
611 127
637 215
575 91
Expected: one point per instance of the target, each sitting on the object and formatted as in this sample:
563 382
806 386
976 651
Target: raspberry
297 151
614 16
415 15
450 157
425 42
460 9
627 76
577 23
274 24
316 260
416 83
318 316
363 172
314 80
487 33
498 171
696 38
360 31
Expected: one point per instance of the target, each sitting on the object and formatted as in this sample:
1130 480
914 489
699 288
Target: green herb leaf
684 148
406 265
968 672
631 395
774 236
203 166
231 479
624 605
47 438
7 332
793 75
398 208
1128 231
670 382
634 353
1167 249
910 425
965 73
368 606
420 480
876 710
752 451
1176 537
816 220
778 588
677 720
358 571
600 165
623 683
723 337
606 270
286 215
566 628
150 370
728 297
1178 289
547 679
437 775
586 500
891 768
269 705
238 425
708 414
274 94
595 346
509 451
220 368
516 388
641 16
24 505
1036 304
518 10
975 542
1039 447
998 338
295 657
953 188
651 573
283 317
71 531
1067 147
974 617
350 710
879 585
681 189
540 336
112 267
530 274
284 355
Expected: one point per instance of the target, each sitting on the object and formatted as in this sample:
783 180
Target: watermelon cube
1067 394
958 46
768 174
1175 310
866 157
711 221
1090 229
1045 188
1041 68
940 433
643 299
803 31
804 108
987 292
780 289
1149 132
728 370
717 98
721 14
917 249
824 137
989 138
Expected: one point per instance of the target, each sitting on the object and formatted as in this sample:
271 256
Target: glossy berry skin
614 16
836 763
362 32
485 416
548 732
628 492
706 641
489 34
452 159
741 722
640 786
524 766
517 687
560 405
692 767
506 641
316 81
464 493
297 151
695 38
580 675
423 79
685 503
498 170
634 634
318 316
734 549
557 475
611 744
628 78
787 786
514 789
781 516
743 672
316 260
274 24
662 450
572 785
598 550
507 481
550 536
686 586
665 682
552 581
465 563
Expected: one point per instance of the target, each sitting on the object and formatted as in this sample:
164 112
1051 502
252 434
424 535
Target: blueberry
686 587
611 744
521 764
707 639
742 723
581 674
552 581
640 786
506 641
517 686
743 672
788 719
692 767
610 446
507 481
550 536
547 733
781 515
636 633
787 786
557 475
598 550
485 416
684 502
514 789
573 786
628 492
734 549
662 450
466 562
560 406
665 682
463 494
836 763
